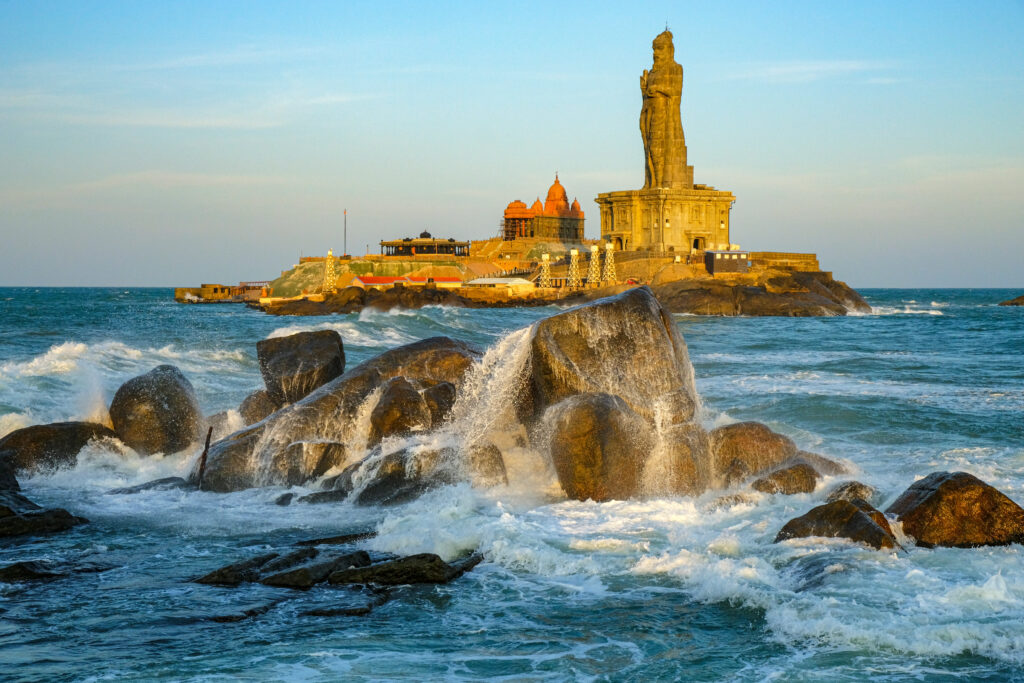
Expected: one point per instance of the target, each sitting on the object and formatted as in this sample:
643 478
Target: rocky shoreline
392 428
1018 301
771 293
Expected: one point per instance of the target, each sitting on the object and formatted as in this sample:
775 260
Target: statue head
663 48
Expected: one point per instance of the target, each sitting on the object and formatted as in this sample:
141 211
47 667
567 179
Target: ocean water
673 588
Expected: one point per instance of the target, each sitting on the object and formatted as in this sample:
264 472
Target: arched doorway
698 243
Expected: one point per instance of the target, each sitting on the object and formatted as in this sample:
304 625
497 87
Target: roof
499 281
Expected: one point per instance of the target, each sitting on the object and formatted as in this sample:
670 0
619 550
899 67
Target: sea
675 588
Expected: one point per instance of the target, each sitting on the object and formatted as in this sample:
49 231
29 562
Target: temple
424 245
671 212
555 219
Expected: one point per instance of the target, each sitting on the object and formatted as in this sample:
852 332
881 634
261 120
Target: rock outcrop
855 520
19 516
258 455
745 449
256 407
958 510
400 410
852 490
599 447
799 478
295 365
1018 301
43 448
157 412
422 568
584 350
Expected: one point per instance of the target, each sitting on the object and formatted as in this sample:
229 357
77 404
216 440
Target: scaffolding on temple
594 267
573 279
545 271
608 276
330 279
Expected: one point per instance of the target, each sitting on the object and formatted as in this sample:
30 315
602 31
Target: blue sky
173 143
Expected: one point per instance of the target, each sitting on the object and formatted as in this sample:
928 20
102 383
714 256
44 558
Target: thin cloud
809 71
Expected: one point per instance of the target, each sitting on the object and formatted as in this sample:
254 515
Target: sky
160 144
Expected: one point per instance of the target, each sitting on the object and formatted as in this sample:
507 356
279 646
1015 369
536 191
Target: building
720 261
670 212
555 219
425 244
507 285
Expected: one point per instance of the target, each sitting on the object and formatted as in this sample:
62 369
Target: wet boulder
23 572
799 478
43 448
33 522
746 449
422 568
599 446
157 412
485 465
956 509
400 410
256 407
440 398
851 490
237 572
308 575
679 465
295 365
855 520
328 414
626 345
392 478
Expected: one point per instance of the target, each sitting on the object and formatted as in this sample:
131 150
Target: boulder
799 478
486 465
157 412
313 573
242 460
295 365
820 463
43 448
390 479
745 449
37 522
422 568
439 399
956 509
400 410
851 490
599 447
162 484
21 572
256 407
855 520
625 345
236 573
8 482
1017 301
682 466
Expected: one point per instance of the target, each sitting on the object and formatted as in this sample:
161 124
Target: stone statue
660 123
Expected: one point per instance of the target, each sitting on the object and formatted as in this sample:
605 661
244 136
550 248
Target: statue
660 123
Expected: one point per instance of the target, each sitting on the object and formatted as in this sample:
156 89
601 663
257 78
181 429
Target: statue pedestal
664 219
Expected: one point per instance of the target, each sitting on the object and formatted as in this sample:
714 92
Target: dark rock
335 496
8 482
851 490
284 499
304 461
344 539
327 413
13 503
439 399
296 365
400 410
38 522
256 407
288 561
313 573
855 520
397 477
157 412
745 449
43 448
798 478
21 572
234 574
155 485
598 447
958 510
582 351
1018 301
422 568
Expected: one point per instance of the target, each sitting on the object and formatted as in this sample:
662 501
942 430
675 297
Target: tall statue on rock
661 124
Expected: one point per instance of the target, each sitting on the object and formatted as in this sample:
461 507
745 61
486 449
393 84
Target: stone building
424 245
670 213
555 219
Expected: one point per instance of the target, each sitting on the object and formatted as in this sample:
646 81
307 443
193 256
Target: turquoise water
674 588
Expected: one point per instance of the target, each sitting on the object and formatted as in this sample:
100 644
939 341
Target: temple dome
516 205
537 206
556 192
